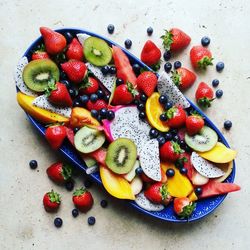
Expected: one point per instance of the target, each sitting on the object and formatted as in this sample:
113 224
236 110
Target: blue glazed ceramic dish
203 208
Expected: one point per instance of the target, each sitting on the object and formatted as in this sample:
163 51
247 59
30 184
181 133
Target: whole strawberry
194 123
158 193
183 78
175 39
150 54
146 82
75 70
54 41
51 201
183 207
75 50
124 94
176 117
40 53
83 200
204 95
89 86
55 135
99 104
59 172
170 151
200 57
58 94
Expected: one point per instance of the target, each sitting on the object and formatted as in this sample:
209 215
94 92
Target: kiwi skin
121 155
38 73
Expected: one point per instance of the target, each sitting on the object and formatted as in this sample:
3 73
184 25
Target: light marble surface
23 222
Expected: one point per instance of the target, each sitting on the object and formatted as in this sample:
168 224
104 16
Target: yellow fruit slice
153 111
40 114
227 168
193 197
178 185
116 185
219 154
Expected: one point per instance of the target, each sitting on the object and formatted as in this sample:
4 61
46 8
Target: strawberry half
150 54
146 82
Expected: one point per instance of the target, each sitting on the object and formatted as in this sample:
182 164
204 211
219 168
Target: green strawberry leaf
167 40
54 197
187 210
164 192
66 171
204 62
176 78
170 113
51 86
132 89
79 192
176 147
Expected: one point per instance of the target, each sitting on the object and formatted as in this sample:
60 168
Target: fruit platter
129 128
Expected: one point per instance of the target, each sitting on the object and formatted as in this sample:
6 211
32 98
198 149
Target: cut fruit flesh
89 161
204 141
88 140
131 174
198 179
136 185
97 51
227 168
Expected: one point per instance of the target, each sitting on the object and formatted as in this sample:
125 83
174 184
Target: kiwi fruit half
97 51
38 73
203 141
121 155
88 140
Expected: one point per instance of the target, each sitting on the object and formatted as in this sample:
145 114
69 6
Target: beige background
23 222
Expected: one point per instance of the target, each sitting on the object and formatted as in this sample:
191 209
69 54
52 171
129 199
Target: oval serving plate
203 208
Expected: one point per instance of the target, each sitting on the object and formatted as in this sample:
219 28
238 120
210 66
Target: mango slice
227 168
116 185
178 185
39 114
219 154
193 197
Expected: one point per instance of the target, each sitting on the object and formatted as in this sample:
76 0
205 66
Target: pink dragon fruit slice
18 76
166 86
150 160
82 37
127 124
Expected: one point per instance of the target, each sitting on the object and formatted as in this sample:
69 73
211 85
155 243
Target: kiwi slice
204 141
38 73
97 51
121 155
88 140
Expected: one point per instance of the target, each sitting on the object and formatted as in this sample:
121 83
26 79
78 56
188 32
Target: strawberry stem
54 197
176 77
204 62
187 210
167 40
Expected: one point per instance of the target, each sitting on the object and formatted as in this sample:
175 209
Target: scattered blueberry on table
58 222
220 66
205 41
150 31
69 185
227 124
215 83
75 212
128 43
33 164
167 67
219 93
167 55
111 28
104 203
91 220
87 183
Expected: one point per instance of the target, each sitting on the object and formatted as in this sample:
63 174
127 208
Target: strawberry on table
59 172
55 135
183 78
51 201
54 41
200 57
170 151
194 123
99 104
204 95
75 50
90 86
183 207
83 199
146 82
175 39
150 54
176 117
40 53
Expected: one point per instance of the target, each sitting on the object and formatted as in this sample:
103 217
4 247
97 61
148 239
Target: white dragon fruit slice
18 76
107 80
166 86
127 124
205 167
146 204
82 37
42 102
150 160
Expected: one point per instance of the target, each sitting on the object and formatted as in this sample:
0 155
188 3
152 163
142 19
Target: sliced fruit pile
135 128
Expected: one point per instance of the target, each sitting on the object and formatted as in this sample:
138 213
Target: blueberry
177 64
142 115
76 103
103 113
93 97
205 41
198 191
150 31
112 70
87 183
75 130
215 83
170 172
168 136
68 37
143 97
182 144
183 170
100 93
63 76
163 99
163 117
75 212
153 133
111 28
106 98
58 222
227 124
136 69
167 55
220 66
91 220
161 140
119 81
73 92
104 203
139 171
176 138
136 102
141 107
168 105
33 164
69 185
128 43
105 69
219 93
99 118
94 113
167 67
84 99
110 115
